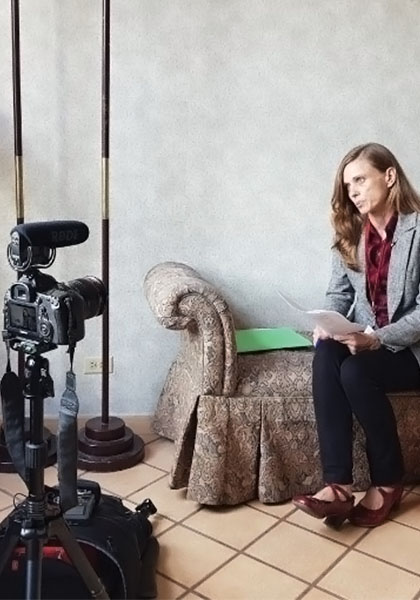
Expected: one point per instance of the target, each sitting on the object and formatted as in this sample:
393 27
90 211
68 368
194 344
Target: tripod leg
33 568
8 544
60 529
33 558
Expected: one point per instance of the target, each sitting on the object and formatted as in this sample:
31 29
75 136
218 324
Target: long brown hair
346 219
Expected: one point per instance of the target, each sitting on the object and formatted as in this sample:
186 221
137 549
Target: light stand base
108 446
6 464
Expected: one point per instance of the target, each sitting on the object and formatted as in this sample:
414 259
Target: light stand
6 463
105 443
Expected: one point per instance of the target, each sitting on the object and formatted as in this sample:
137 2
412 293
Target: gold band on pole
105 188
20 211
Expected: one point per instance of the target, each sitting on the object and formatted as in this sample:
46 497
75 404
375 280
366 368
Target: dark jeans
346 384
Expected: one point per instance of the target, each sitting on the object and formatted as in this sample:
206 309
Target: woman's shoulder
408 220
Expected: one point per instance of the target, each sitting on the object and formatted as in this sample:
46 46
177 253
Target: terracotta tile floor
256 551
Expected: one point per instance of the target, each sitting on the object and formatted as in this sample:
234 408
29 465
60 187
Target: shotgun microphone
54 234
34 244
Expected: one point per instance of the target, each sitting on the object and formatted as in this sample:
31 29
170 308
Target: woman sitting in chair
376 273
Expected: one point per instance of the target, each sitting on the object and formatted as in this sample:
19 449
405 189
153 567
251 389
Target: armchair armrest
181 299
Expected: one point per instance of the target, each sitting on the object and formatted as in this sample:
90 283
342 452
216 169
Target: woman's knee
353 370
329 353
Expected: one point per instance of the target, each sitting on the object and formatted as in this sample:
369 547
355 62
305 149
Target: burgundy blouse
378 254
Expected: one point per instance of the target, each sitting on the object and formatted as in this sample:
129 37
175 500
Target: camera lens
93 292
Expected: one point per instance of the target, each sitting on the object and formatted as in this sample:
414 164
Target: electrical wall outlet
93 364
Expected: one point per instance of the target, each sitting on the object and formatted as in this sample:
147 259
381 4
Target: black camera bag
118 543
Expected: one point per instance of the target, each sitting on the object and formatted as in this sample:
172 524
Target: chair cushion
275 373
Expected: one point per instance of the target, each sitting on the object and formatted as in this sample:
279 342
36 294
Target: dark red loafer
336 511
368 517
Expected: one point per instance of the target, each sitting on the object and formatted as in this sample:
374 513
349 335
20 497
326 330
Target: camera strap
67 431
67 443
13 407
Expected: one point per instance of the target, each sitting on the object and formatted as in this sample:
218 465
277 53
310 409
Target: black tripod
39 518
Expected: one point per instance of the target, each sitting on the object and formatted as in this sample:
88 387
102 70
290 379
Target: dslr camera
39 312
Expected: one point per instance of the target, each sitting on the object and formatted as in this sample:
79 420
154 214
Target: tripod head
38 380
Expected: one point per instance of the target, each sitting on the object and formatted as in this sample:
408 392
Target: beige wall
228 120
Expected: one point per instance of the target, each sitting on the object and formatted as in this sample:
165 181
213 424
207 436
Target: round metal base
6 464
108 446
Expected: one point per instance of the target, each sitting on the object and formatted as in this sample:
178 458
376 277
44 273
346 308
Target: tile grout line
157 535
243 550
329 592
387 562
347 547
172 580
154 467
352 547
127 497
9 493
182 522
283 518
213 572
196 592
313 585
404 524
334 563
276 568
213 539
235 555
265 512
416 596
240 552
322 535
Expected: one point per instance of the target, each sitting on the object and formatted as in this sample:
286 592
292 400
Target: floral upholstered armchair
243 424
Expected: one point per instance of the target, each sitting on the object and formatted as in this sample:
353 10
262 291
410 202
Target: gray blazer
346 291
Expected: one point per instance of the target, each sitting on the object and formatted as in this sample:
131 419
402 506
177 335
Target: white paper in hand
332 322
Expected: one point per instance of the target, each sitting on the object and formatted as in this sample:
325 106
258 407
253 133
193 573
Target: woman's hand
319 334
357 342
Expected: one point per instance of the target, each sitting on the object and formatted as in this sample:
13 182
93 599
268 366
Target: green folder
256 340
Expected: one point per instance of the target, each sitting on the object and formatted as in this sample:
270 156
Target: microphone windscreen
54 234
